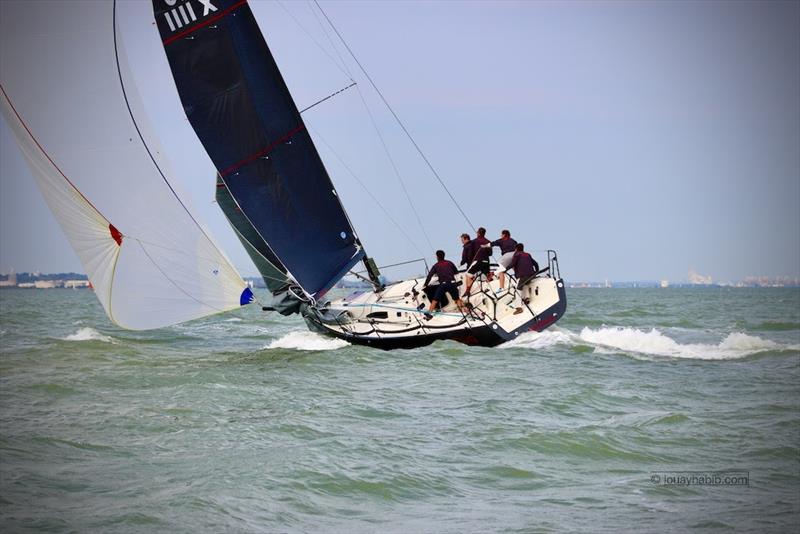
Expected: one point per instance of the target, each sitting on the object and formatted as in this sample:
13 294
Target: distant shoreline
70 280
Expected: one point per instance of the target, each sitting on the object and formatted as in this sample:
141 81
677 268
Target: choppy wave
735 345
300 340
542 340
652 343
88 334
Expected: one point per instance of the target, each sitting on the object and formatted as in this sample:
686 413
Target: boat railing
551 269
552 264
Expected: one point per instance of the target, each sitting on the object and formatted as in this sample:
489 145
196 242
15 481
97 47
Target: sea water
247 422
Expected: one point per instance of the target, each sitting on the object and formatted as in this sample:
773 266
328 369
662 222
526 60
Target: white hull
391 318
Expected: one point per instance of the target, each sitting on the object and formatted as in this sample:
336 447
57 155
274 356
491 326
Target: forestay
69 98
241 109
272 270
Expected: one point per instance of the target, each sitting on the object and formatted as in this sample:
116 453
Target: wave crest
88 334
735 345
540 340
307 341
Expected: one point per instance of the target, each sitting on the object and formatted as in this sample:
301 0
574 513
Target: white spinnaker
87 143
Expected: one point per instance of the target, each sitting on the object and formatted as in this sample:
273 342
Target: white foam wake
651 343
735 345
88 334
307 341
541 340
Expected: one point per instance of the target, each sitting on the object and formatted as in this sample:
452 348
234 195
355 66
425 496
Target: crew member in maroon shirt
466 250
481 249
525 267
446 272
507 250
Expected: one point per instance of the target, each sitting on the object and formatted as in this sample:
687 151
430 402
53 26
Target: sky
638 139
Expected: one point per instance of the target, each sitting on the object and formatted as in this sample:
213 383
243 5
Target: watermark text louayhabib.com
701 478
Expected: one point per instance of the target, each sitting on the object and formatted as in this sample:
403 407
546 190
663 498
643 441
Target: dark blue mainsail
241 109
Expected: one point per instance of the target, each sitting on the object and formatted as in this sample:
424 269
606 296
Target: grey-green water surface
248 423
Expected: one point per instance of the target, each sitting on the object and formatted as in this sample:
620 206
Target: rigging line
364 187
330 40
396 170
385 148
408 134
350 75
377 130
396 264
327 98
247 218
310 36
285 280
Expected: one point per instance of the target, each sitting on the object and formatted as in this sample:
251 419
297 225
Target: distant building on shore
48 284
44 281
699 279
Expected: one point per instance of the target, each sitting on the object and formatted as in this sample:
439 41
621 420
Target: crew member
466 250
446 272
507 249
481 249
525 267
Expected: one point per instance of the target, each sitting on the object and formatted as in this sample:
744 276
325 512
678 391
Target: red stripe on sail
215 18
263 152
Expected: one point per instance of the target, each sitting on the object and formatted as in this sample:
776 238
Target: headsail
242 111
272 270
68 96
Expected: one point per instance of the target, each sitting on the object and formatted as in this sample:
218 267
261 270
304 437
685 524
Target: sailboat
107 181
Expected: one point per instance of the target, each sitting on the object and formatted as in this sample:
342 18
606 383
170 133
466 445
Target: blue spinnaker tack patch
246 297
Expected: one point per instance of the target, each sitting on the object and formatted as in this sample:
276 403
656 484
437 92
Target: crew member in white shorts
507 246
